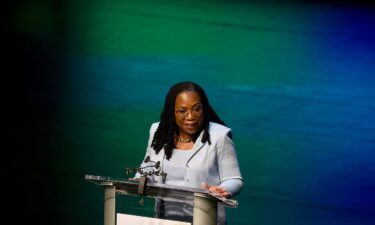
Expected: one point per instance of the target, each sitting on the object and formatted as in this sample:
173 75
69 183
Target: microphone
146 172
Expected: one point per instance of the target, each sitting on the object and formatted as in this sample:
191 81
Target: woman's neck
184 146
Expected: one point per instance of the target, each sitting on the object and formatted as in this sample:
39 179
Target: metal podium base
205 210
109 203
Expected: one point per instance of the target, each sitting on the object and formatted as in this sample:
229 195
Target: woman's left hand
216 190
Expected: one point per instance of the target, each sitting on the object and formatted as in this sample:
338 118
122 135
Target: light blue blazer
211 164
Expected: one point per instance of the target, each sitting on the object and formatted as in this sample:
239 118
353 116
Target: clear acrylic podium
204 208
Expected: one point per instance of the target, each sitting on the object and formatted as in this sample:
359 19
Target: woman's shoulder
154 127
218 129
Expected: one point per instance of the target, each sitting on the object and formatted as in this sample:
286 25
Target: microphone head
157 165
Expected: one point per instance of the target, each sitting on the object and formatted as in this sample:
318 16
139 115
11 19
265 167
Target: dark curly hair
164 135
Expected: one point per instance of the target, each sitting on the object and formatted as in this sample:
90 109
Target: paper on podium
126 219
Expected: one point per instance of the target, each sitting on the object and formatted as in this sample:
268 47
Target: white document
125 219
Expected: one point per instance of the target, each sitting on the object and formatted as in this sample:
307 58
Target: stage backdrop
294 80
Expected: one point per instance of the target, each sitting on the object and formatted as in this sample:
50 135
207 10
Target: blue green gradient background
293 79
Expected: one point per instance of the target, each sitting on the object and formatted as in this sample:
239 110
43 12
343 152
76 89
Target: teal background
293 79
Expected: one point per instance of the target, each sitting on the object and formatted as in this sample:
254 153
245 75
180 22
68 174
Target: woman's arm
233 186
228 188
229 171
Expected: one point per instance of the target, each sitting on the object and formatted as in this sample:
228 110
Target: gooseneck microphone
147 170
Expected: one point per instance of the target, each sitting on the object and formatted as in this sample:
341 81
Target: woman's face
188 113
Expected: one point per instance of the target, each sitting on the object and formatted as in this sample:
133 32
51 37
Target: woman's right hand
216 190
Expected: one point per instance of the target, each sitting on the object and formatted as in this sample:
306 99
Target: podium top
155 190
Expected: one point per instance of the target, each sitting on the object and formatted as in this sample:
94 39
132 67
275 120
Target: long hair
164 135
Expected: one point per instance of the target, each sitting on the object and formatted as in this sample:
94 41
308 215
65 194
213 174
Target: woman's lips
190 125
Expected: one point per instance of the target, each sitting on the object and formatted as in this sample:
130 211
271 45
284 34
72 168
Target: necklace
180 139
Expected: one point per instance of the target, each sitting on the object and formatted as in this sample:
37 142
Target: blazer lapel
197 146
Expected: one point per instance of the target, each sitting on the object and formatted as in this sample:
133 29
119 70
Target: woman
194 148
